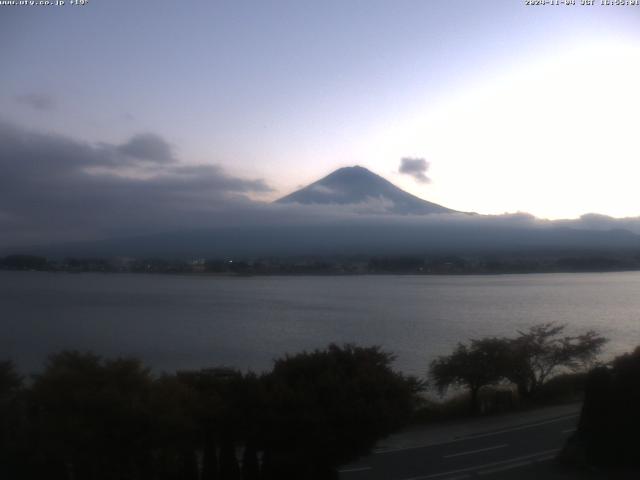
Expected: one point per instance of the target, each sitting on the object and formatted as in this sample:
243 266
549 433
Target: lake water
175 322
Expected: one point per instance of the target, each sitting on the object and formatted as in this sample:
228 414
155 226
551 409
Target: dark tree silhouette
610 420
327 407
91 417
11 421
173 406
230 405
10 380
541 351
527 361
481 363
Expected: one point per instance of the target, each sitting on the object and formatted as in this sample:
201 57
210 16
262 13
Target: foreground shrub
610 420
327 407
89 418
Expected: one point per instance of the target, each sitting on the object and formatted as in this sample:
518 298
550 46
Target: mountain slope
377 236
357 185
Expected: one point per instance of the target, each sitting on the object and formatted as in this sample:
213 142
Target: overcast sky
510 108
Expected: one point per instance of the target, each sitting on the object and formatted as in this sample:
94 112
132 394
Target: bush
566 387
91 418
610 420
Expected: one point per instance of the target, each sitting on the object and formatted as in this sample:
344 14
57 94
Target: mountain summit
357 185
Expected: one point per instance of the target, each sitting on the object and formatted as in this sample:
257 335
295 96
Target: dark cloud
416 167
53 187
148 147
37 101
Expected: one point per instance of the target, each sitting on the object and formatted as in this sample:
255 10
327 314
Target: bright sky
516 108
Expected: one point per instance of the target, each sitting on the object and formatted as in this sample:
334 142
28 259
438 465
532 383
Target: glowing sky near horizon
515 108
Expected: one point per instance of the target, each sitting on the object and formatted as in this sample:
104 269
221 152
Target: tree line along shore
433 264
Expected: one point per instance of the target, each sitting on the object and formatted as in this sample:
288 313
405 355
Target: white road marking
511 466
521 427
504 468
514 460
569 430
546 458
470 452
480 435
354 469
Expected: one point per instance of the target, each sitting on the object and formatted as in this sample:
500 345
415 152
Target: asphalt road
501 453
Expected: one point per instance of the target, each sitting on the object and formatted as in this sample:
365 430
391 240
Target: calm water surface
195 321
